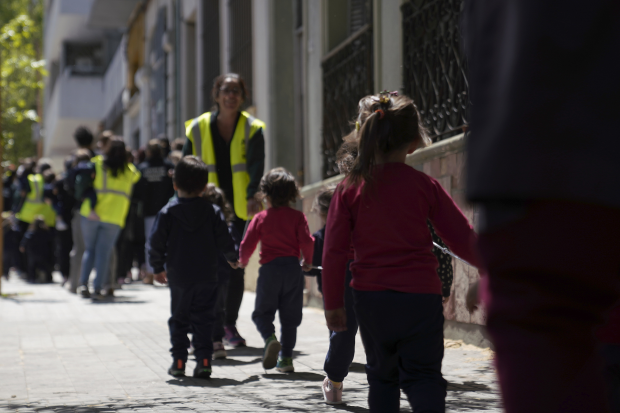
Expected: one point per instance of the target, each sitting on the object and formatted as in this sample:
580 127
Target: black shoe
97 295
177 369
203 369
83 291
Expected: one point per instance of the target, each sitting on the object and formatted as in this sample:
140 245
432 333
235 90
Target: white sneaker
219 352
331 394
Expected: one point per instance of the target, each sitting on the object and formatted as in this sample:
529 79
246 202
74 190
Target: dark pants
553 273
39 264
280 287
22 264
403 339
223 278
342 345
63 251
236 285
193 310
611 355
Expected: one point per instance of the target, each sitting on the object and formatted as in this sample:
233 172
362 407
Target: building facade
143 67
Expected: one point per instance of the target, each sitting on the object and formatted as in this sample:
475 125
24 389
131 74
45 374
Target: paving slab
62 353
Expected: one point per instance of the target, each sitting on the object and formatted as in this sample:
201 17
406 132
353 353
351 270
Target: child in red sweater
283 233
382 208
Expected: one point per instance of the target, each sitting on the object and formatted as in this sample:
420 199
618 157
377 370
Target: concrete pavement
61 353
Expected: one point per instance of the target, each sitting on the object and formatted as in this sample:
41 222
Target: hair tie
381 113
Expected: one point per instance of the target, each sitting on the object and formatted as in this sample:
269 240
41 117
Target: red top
282 231
392 243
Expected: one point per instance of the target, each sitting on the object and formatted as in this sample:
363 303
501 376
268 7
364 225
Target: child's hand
161 277
336 319
305 266
234 264
22 249
241 265
472 299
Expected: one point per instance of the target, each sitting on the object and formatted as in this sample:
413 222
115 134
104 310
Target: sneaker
190 350
331 394
203 369
97 295
219 352
83 291
177 369
270 354
285 365
232 337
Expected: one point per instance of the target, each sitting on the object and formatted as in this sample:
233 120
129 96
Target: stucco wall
444 161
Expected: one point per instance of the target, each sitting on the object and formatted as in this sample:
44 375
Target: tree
21 75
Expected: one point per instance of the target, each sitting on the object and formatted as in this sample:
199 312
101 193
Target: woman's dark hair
217 197
219 81
83 137
191 175
38 224
393 124
178 143
49 176
115 159
321 203
154 149
29 166
280 186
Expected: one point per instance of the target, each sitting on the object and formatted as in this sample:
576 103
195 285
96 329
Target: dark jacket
39 245
155 186
544 90
317 257
187 237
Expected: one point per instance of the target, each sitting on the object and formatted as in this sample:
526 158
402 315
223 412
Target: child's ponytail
391 122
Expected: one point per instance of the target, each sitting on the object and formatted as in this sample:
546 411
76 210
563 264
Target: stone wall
444 161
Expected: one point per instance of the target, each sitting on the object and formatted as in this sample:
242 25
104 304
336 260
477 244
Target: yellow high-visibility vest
198 131
35 205
113 193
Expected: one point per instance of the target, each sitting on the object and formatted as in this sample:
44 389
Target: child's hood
191 213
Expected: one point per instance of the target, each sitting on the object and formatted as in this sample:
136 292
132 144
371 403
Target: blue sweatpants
403 339
280 287
342 345
193 310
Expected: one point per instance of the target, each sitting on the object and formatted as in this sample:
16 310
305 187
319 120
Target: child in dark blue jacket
188 235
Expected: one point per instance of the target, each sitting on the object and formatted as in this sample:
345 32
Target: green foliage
21 74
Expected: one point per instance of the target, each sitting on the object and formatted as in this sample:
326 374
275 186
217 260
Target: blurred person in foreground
542 165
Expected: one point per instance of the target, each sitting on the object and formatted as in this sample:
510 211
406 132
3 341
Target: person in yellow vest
114 181
231 142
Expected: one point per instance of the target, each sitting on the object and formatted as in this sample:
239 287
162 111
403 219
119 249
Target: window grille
84 58
435 69
348 76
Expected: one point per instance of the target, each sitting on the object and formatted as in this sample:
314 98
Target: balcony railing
347 77
435 70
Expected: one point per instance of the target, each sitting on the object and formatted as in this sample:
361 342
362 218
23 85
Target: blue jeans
403 338
148 227
280 287
342 345
99 240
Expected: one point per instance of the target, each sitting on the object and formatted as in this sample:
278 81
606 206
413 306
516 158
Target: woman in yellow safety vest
231 142
114 181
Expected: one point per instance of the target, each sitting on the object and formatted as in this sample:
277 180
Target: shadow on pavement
253 351
214 382
357 368
233 362
304 376
117 300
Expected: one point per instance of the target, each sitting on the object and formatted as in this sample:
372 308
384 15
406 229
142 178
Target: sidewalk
61 353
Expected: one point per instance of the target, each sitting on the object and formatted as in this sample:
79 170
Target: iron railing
347 77
435 69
